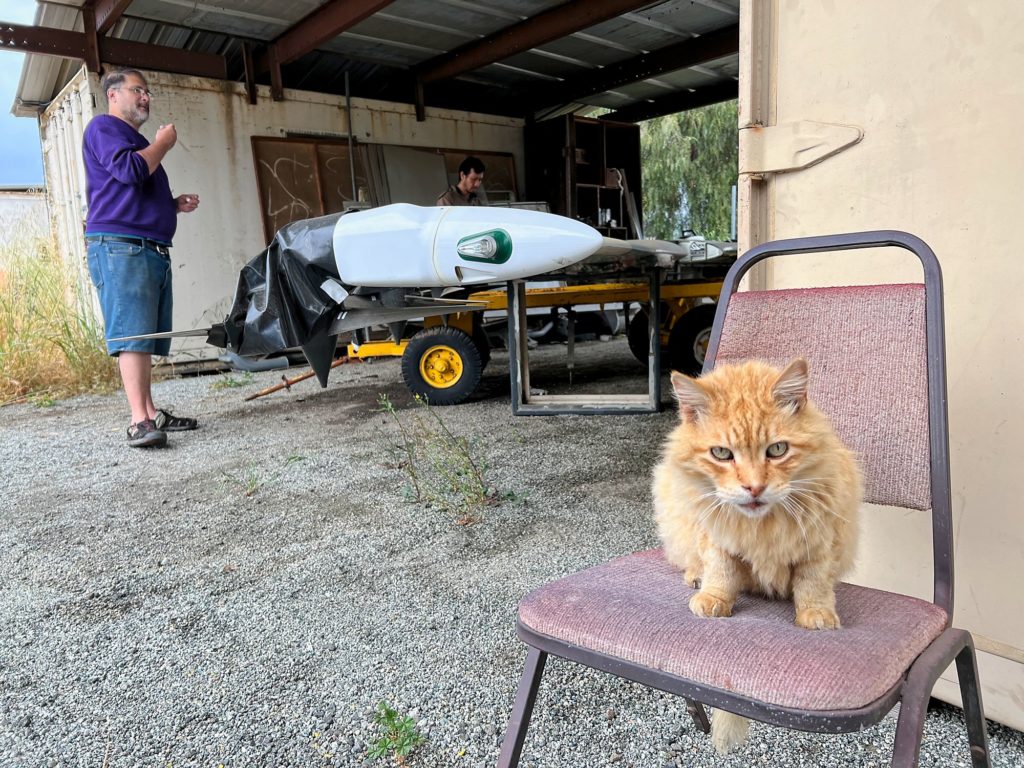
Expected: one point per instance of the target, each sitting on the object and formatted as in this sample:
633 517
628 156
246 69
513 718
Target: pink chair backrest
865 348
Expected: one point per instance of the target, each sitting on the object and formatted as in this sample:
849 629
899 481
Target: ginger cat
756 493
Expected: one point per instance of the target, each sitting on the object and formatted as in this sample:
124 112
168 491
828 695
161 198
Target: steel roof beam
92 44
72 45
107 13
552 24
326 22
688 53
675 102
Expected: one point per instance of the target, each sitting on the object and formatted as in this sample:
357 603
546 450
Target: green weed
442 469
400 736
51 337
253 478
232 382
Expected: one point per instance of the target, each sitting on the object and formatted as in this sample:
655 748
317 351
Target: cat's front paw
817 618
708 606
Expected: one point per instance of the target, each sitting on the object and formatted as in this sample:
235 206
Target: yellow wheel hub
441 366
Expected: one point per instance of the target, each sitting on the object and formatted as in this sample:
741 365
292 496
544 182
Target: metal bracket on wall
792 146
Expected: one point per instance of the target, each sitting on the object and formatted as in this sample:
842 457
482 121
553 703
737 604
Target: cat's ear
693 400
790 390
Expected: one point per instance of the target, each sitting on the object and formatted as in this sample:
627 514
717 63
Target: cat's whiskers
810 483
818 523
807 498
711 494
828 508
810 498
712 508
793 513
816 494
811 504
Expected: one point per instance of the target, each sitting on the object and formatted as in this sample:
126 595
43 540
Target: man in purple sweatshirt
131 223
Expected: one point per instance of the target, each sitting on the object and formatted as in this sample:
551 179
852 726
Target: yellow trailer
445 360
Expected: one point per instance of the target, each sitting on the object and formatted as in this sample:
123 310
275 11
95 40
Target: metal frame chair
619 616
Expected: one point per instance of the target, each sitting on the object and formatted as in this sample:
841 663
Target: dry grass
51 341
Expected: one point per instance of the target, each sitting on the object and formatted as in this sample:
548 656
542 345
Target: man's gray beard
137 116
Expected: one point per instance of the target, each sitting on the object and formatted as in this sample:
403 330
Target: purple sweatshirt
124 198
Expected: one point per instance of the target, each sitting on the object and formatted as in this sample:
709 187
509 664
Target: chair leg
909 730
700 715
974 712
952 644
519 721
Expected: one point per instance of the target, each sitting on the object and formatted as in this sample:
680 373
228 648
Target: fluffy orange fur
756 493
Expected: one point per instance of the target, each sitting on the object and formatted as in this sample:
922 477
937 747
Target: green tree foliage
690 163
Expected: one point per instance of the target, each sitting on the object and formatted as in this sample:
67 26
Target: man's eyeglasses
138 90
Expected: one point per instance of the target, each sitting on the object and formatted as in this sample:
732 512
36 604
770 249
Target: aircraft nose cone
478 245
408 245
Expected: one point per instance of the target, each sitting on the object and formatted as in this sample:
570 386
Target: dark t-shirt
124 197
454 196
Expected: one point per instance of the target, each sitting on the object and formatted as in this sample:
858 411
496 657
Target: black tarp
278 301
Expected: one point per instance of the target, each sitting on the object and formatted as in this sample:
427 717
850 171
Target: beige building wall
935 89
214 158
23 214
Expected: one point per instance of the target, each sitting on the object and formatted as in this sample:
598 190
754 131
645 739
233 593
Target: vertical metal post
756 109
351 152
654 340
250 72
571 340
518 354
276 82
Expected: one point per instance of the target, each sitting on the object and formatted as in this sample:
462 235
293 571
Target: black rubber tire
458 341
483 346
636 335
689 340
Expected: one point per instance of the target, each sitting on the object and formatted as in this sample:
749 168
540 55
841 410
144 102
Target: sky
21 160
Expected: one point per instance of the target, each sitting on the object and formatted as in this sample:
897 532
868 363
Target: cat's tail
727 730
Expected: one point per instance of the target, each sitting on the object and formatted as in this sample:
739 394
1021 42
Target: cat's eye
775 450
720 453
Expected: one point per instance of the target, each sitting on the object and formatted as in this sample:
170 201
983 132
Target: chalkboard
303 178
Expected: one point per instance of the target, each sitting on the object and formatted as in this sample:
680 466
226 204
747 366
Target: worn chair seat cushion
636 608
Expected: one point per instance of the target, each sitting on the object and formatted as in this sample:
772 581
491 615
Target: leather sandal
168 422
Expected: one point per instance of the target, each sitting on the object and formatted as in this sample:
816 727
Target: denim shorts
134 286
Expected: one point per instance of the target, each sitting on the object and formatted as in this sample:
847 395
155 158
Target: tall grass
51 341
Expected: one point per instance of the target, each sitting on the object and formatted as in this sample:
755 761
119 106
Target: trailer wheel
483 346
442 365
636 335
688 341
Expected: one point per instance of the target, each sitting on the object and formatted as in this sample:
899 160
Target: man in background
131 223
471 176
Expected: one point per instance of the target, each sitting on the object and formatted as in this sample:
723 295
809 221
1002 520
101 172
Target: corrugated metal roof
380 52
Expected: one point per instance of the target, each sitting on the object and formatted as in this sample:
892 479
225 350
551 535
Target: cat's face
747 440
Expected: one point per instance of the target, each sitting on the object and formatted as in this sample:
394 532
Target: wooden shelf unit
570 162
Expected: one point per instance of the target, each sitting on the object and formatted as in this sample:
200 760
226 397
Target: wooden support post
276 83
250 72
421 109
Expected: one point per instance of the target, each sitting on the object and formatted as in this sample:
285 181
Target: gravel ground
156 615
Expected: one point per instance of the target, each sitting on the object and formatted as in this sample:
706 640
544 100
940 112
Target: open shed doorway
690 165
